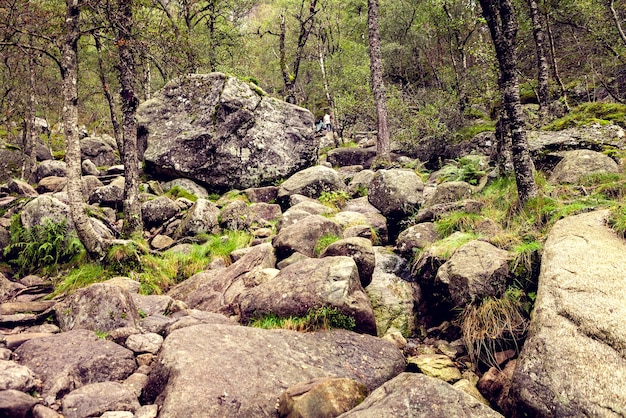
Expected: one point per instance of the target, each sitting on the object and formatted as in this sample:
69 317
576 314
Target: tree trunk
555 66
115 123
618 25
378 87
500 18
69 70
543 90
131 204
30 134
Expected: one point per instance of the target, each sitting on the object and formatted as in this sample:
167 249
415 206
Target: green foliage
617 219
103 335
335 199
496 324
177 191
457 221
468 132
470 169
42 248
81 276
588 113
324 242
322 318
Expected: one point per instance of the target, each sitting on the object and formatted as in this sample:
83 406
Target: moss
588 113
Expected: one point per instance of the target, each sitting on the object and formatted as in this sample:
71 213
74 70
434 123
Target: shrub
324 242
43 247
322 318
335 199
470 169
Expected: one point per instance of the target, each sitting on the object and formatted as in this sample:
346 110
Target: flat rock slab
416 395
72 359
228 371
574 360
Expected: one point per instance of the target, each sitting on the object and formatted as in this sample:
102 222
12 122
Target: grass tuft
322 318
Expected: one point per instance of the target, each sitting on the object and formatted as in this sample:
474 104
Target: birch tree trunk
378 86
543 78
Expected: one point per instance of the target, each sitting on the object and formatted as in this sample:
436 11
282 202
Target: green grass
457 221
177 191
323 318
335 199
81 276
588 113
468 132
324 242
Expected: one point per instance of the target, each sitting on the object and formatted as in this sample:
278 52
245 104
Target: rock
99 307
89 168
347 156
310 284
71 359
188 186
495 385
41 411
310 182
267 194
110 195
153 304
436 365
99 151
416 395
147 411
572 363
15 376
144 343
393 299
448 192
136 382
576 164
396 192
161 242
50 168
21 188
360 250
322 397
475 271
416 237
8 288
11 163
15 404
89 185
221 131
157 211
360 183
470 388
204 370
44 207
221 289
238 215
51 184
304 235
201 218
126 283
96 398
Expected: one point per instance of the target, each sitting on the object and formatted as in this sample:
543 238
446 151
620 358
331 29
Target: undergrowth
322 318
588 113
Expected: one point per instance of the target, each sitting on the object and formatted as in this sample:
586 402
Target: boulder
267 194
436 365
11 163
218 290
110 195
16 404
94 399
8 288
303 236
310 284
41 208
223 132
205 370
578 163
21 188
157 211
238 215
50 168
188 186
322 397
66 361
360 250
396 193
450 191
99 307
572 363
51 184
201 218
393 299
475 271
88 168
415 238
15 376
99 151
310 182
360 183
416 395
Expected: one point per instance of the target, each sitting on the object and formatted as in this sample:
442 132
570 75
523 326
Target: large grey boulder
311 182
578 163
304 235
157 211
419 396
41 208
50 168
222 132
16 404
15 376
201 218
228 371
99 151
360 250
99 307
396 192
97 398
393 299
572 363
475 271
310 284
69 360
